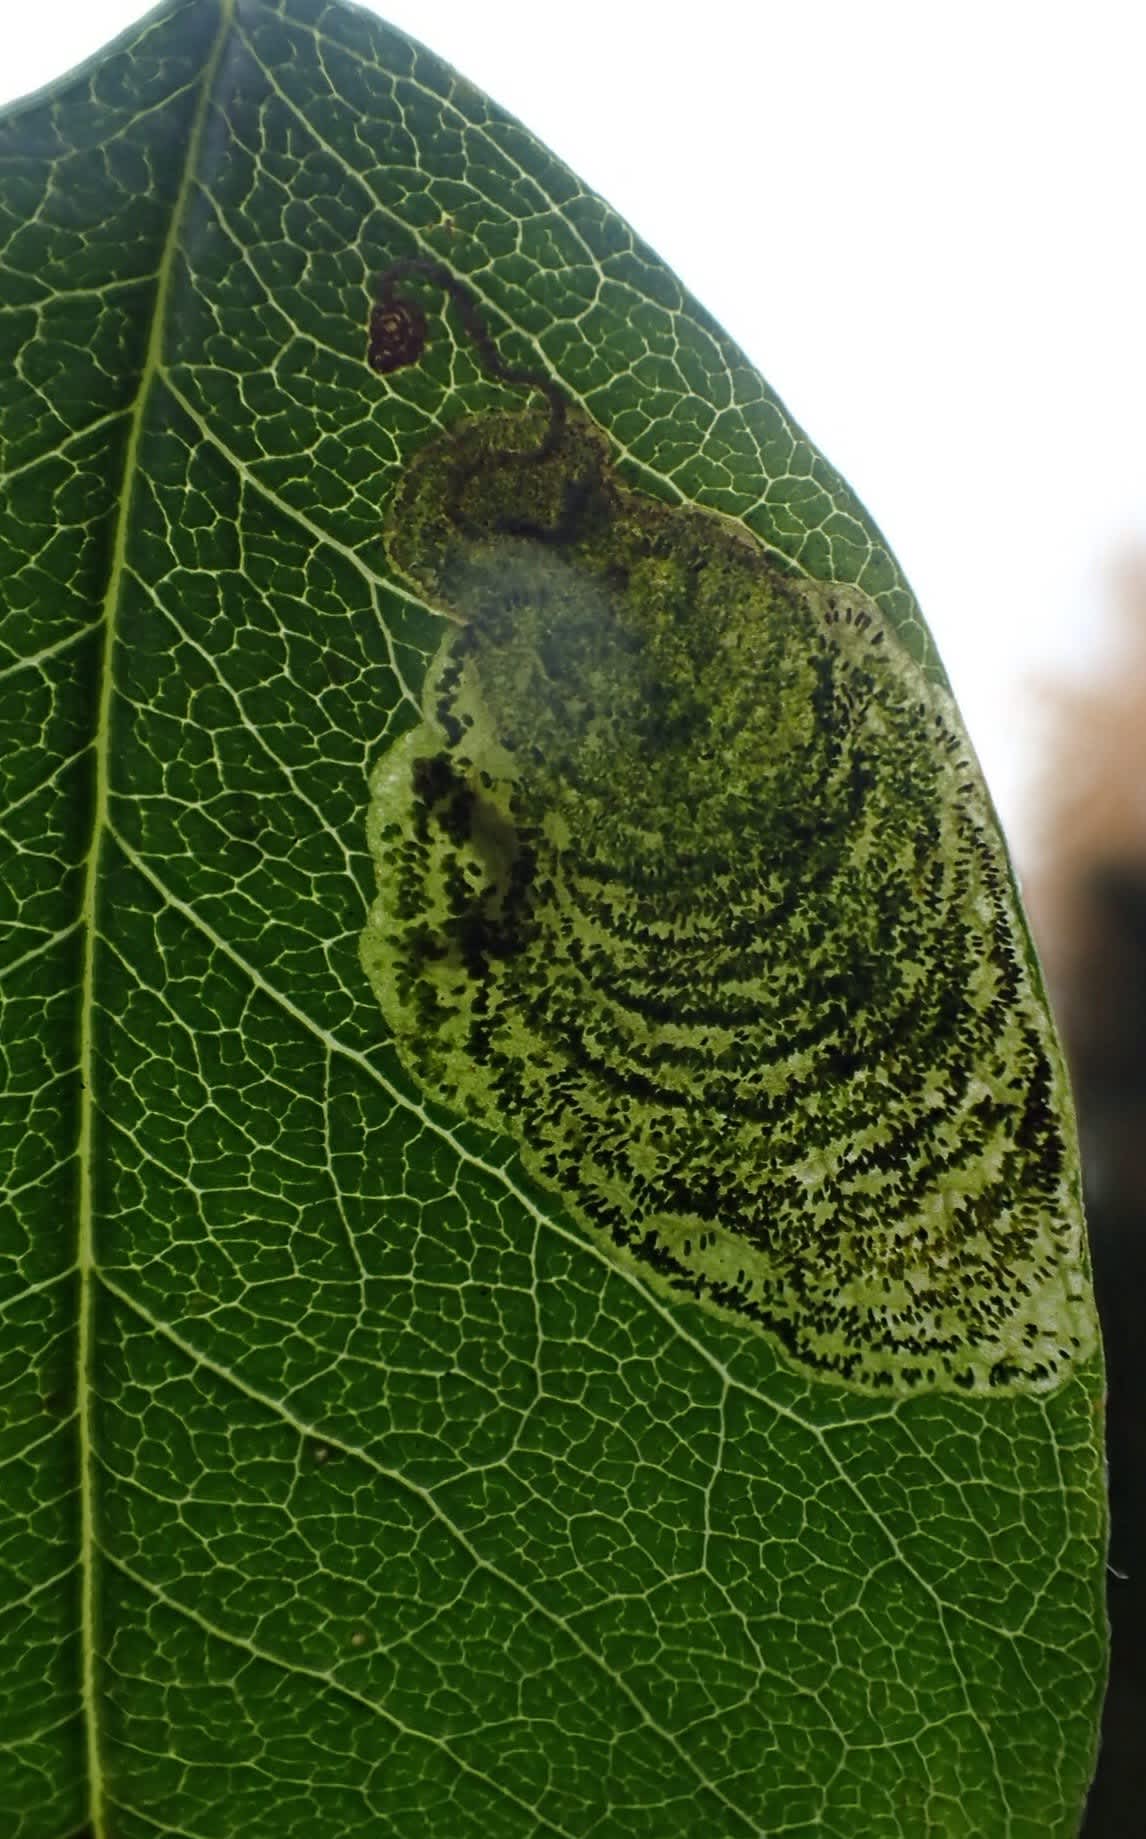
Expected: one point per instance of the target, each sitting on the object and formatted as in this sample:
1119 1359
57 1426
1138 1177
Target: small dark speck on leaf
397 335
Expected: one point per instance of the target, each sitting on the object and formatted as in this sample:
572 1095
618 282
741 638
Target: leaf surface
350 1485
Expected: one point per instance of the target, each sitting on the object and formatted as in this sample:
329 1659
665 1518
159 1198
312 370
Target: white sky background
923 221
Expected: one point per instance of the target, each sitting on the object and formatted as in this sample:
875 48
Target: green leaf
362 1474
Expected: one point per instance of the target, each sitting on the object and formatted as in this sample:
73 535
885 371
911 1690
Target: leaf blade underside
370 1495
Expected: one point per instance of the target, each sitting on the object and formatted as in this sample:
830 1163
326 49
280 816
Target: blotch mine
687 882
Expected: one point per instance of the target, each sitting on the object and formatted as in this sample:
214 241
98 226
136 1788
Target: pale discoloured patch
687 882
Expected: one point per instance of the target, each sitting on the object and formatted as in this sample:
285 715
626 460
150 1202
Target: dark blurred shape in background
1086 896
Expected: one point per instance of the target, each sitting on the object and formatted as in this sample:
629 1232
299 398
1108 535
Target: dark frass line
398 335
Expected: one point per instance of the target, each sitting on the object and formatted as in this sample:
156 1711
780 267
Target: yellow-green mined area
355 1481
687 881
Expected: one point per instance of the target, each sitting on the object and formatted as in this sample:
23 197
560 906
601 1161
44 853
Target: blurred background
924 226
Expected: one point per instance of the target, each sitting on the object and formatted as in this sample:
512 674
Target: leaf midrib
102 833
86 1258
